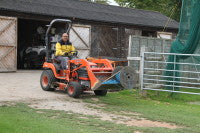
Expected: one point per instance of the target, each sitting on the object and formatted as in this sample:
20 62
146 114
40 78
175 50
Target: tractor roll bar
68 27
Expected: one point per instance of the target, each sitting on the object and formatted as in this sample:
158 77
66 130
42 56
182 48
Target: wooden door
8 44
80 38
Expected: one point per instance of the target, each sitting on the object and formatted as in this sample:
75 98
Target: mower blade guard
124 79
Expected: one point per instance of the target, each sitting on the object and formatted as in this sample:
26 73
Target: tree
170 8
98 1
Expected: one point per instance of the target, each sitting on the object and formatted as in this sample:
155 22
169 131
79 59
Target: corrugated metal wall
151 45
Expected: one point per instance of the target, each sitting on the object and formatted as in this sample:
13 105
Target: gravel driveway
24 86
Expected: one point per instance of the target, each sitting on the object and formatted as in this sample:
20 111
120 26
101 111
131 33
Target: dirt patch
197 103
24 86
7 103
82 108
95 99
129 113
137 132
148 123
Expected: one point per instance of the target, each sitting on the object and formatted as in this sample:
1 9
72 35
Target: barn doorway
31 43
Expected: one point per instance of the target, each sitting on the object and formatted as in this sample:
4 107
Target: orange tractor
96 75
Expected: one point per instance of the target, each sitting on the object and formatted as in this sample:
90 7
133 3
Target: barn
98 30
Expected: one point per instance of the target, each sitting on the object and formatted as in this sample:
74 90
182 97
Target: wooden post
141 72
129 48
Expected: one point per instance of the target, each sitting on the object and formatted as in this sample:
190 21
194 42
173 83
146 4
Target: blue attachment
114 80
117 77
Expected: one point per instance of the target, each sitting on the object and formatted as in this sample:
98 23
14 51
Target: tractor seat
56 60
56 63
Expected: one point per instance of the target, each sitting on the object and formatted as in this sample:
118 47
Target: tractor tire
100 92
74 89
47 79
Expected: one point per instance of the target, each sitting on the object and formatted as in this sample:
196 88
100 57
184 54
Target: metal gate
8 44
80 36
153 73
137 45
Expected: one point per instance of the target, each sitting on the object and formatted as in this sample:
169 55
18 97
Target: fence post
129 49
141 71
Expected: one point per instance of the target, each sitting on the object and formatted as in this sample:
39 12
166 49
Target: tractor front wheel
74 89
46 80
100 92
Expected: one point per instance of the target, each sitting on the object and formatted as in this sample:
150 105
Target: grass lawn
158 107
178 110
22 119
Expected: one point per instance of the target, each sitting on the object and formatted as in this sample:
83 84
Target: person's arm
59 51
73 48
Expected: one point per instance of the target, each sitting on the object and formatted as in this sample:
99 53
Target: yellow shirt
62 48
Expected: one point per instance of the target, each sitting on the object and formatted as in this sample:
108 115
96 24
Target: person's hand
66 54
74 53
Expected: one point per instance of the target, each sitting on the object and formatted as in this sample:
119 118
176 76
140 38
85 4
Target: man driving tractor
83 74
63 49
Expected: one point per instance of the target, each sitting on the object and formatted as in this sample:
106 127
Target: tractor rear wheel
74 89
100 92
47 79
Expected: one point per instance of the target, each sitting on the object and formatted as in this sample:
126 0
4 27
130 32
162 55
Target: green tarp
188 39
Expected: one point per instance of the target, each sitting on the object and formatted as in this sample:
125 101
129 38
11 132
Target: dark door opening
31 43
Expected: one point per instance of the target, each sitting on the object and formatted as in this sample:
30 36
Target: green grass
22 119
178 110
158 107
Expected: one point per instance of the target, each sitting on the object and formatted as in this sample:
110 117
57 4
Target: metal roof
89 11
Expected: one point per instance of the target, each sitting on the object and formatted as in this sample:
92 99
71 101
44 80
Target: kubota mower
96 75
